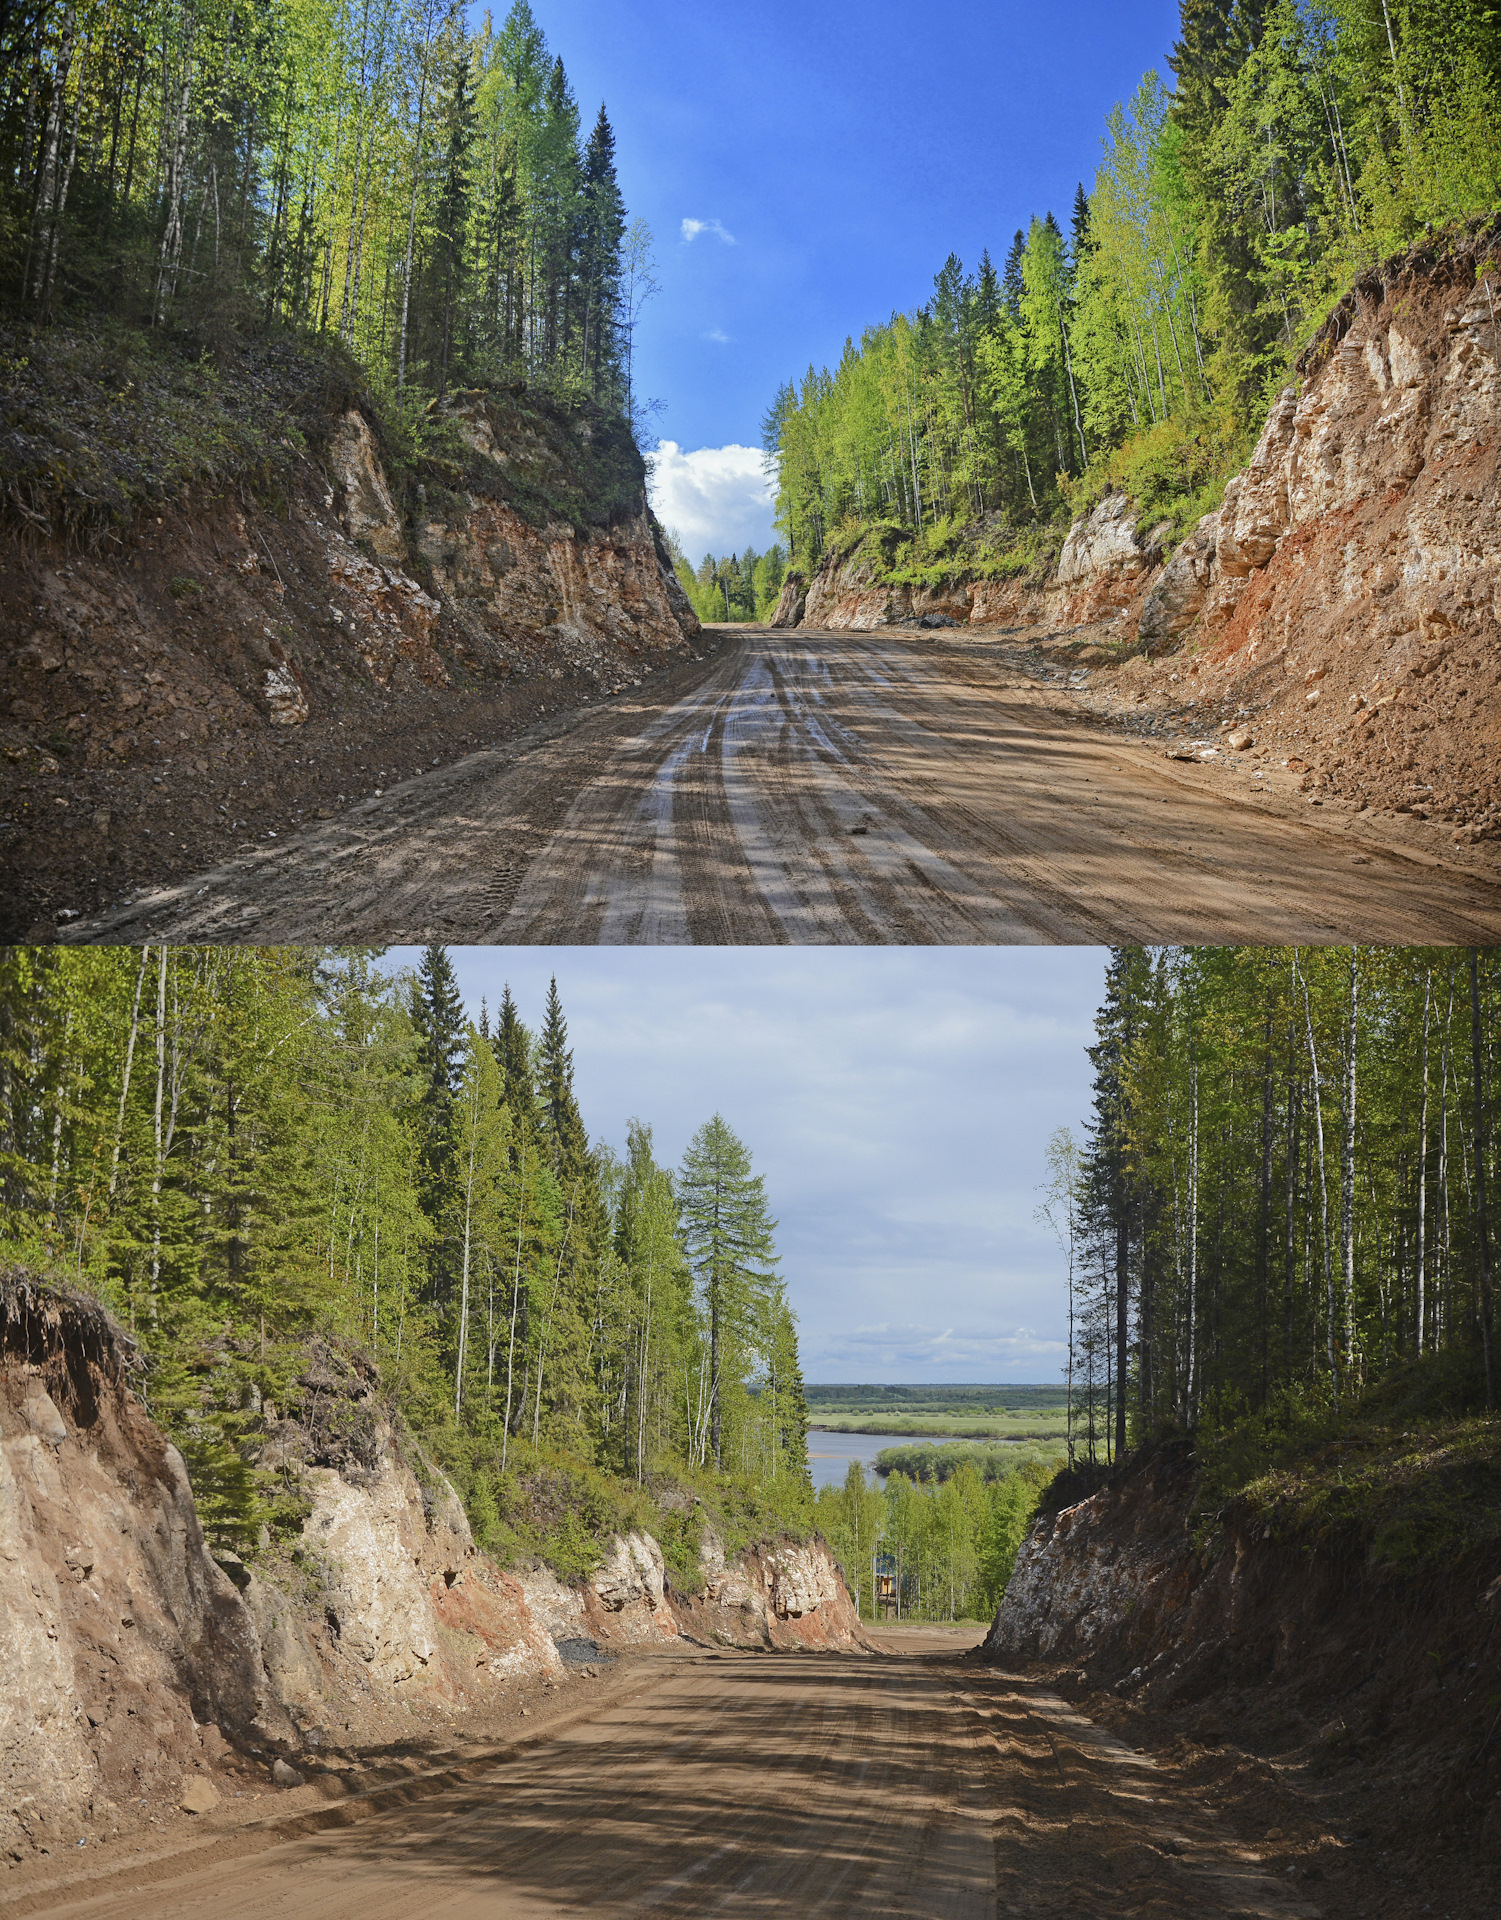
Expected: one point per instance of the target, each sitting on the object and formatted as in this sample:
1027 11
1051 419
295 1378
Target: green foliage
950 1540
1300 147
744 587
993 1462
1401 1477
414 188
99 423
312 1189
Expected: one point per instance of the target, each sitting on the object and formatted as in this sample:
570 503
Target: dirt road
904 1783
836 788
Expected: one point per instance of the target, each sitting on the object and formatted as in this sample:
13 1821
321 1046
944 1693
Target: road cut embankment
147 1671
1291 1636
1340 609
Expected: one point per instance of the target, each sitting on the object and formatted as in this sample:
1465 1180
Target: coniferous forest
1135 338
426 192
1282 1209
247 1152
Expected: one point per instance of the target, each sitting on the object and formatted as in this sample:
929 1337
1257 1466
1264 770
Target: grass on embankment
1408 1474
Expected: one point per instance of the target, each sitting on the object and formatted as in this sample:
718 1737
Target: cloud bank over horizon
715 499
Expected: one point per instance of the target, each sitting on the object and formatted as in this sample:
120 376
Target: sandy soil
866 788
913 1782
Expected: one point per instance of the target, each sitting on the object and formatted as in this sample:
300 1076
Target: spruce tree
1111 1189
438 1015
513 1053
603 226
730 1239
1078 239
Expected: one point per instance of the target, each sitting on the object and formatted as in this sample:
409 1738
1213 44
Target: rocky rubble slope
1341 609
144 1671
232 662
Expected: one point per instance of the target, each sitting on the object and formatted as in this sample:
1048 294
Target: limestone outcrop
1348 589
406 1611
518 590
792 602
1104 558
623 1603
780 1594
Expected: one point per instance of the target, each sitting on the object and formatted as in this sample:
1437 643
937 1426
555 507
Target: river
830 1454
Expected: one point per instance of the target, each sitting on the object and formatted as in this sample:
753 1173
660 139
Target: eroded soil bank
225 663
1340 611
1339 1704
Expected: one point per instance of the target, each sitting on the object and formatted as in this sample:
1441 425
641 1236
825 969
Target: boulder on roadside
200 1795
284 1776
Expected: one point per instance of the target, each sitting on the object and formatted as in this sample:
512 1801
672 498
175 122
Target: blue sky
844 150
897 1101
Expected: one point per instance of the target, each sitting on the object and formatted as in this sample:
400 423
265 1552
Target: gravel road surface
812 788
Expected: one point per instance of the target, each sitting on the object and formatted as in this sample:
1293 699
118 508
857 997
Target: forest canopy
1284 1197
1136 341
375 171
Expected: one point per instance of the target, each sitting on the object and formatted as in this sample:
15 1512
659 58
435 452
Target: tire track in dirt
821 788
910 1784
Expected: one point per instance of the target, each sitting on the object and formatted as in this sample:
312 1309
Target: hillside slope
1322 1648
230 604
146 1671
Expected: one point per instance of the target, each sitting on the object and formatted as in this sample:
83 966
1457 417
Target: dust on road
907 1782
865 788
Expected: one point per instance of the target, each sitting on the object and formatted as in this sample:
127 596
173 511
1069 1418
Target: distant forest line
1000 1398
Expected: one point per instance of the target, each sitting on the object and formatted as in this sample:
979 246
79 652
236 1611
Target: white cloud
693 228
715 499
718 336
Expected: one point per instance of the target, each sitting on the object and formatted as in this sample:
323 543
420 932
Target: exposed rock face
1359 553
624 1602
1106 560
1102 562
1179 591
408 1610
119 1636
364 498
262 660
1087 1574
783 1594
126 1646
792 602
591 600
